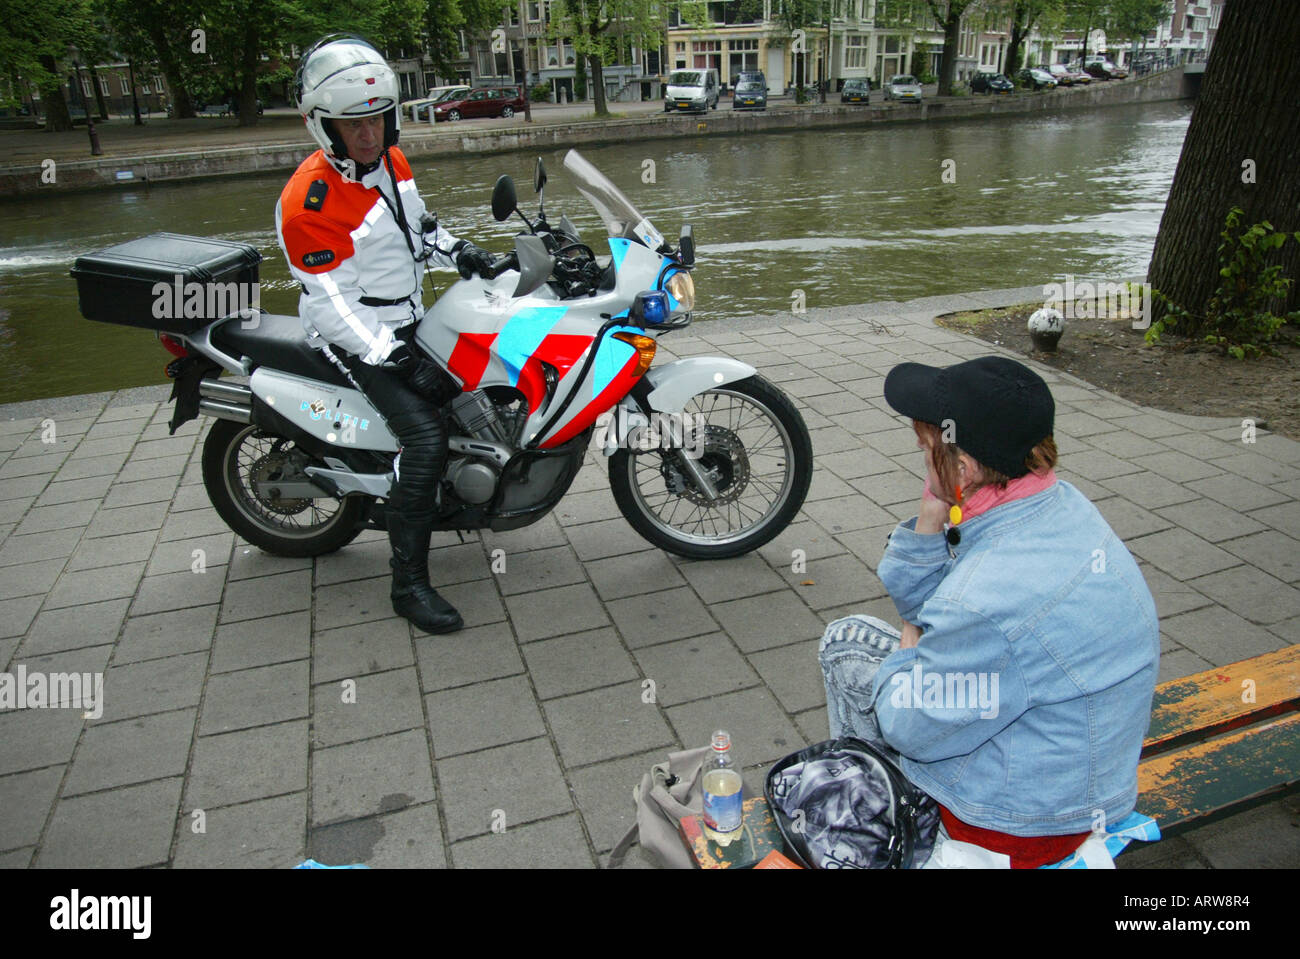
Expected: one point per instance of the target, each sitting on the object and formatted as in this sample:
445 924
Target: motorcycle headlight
682 288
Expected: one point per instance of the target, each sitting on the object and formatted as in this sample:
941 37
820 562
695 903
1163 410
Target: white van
692 90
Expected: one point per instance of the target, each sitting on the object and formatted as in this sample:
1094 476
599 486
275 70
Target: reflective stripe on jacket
343 242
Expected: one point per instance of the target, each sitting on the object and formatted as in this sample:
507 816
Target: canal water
886 212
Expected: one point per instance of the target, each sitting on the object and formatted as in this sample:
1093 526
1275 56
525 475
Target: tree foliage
605 31
948 14
34 46
1134 19
1239 317
1023 16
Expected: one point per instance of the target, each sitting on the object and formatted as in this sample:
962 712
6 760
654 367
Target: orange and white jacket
344 243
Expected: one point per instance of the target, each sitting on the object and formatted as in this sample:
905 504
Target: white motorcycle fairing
486 337
334 414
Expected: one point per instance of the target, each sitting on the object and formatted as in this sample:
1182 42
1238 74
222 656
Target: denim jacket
1024 706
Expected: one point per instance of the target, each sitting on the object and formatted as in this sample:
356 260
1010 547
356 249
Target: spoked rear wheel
756 453
241 465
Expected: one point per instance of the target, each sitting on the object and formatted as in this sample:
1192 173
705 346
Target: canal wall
131 172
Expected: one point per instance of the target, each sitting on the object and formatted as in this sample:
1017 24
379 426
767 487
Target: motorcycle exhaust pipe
226 411
214 389
226 401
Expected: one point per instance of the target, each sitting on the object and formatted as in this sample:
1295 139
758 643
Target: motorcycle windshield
621 218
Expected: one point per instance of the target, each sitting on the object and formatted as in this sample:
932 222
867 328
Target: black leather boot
413 598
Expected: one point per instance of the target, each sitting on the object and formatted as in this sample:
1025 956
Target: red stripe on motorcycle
563 350
532 383
618 388
470 357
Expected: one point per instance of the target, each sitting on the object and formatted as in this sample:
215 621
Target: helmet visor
336 57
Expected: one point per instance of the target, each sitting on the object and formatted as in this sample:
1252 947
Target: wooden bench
1208 749
1217 740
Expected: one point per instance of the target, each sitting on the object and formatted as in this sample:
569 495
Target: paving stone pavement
259 710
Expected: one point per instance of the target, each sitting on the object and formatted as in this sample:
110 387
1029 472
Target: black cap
1000 409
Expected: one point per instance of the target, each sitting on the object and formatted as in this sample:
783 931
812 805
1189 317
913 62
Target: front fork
665 390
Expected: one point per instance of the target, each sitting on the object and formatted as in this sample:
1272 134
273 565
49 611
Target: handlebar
508 262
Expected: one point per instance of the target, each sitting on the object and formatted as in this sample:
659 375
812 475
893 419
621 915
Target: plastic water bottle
722 792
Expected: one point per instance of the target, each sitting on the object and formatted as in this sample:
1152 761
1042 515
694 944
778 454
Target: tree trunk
1013 50
182 105
951 36
99 94
135 97
57 117
598 85
1244 119
248 75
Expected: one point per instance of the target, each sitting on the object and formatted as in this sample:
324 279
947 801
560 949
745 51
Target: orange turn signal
645 347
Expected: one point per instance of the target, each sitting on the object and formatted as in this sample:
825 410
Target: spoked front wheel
242 466
755 454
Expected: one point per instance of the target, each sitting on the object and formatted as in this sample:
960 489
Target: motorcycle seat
278 342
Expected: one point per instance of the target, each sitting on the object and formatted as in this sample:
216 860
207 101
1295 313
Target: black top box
168 282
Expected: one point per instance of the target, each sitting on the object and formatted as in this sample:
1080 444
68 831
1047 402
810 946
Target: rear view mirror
535 264
686 246
539 177
504 201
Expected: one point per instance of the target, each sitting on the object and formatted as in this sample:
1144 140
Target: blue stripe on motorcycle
619 246
522 334
611 357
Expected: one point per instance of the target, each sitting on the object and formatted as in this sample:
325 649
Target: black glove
423 375
470 259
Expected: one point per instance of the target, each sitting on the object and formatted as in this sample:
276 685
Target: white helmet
344 77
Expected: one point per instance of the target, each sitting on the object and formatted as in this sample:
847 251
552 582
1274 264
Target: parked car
904 87
750 76
480 102
990 83
1066 77
750 95
1105 70
419 109
1036 79
856 91
1104 61
692 90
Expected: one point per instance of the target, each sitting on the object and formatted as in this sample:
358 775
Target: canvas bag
666 794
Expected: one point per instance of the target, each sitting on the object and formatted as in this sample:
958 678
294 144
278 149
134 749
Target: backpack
666 794
837 779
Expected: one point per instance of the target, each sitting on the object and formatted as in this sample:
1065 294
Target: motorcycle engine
473 480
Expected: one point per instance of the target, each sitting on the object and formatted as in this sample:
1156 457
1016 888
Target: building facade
874 39
114 85
525 48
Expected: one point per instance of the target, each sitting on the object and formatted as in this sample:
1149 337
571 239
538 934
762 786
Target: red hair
944 457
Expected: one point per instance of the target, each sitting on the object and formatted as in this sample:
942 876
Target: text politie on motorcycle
350 224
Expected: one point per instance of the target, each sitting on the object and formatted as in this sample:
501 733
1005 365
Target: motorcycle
552 347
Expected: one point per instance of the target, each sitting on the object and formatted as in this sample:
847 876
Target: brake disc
271 469
725 463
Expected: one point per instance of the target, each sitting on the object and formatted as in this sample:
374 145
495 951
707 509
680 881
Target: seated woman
1019 690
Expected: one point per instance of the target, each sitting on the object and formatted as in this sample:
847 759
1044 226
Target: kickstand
461 534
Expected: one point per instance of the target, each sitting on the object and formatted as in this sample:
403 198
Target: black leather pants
421 431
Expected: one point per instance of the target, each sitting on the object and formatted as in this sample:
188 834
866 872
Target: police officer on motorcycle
353 227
